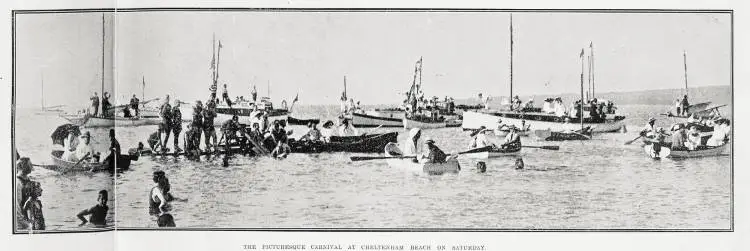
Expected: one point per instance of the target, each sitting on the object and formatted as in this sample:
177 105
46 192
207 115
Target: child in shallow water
33 207
98 212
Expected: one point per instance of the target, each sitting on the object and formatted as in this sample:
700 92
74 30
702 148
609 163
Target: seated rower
479 139
433 154
82 151
313 134
327 131
512 139
649 130
694 138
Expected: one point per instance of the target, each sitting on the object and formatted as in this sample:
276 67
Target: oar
631 142
361 158
555 148
79 162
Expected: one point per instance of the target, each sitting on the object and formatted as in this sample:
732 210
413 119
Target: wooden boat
349 139
549 135
245 109
60 165
423 123
361 144
537 121
493 153
294 121
392 150
703 151
362 120
95 122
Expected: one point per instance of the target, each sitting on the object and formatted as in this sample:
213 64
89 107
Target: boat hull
713 151
494 153
473 120
61 165
367 144
97 122
294 121
408 124
451 165
364 120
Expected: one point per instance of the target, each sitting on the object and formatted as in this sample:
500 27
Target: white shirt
547 107
510 137
83 149
409 148
480 141
559 109
327 133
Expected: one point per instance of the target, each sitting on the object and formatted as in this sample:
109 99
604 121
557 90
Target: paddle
631 141
555 148
79 162
361 158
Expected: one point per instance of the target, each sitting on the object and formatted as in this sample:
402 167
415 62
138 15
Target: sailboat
86 120
244 109
47 110
472 120
702 110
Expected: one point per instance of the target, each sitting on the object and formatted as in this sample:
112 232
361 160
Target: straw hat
478 131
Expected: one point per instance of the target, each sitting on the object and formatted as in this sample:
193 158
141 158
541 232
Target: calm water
600 183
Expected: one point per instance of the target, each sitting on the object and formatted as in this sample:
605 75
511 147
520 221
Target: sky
309 53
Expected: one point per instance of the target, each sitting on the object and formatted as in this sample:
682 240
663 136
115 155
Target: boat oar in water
555 148
631 141
79 162
361 158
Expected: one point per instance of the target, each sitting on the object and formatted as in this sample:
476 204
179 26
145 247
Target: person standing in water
176 125
166 123
209 131
98 212
32 208
159 195
114 149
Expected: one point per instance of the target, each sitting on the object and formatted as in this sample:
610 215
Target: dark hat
429 141
328 124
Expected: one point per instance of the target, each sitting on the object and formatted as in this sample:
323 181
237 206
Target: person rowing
479 139
82 151
513 139
649 130
433 153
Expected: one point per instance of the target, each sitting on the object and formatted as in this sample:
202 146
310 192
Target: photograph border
415 10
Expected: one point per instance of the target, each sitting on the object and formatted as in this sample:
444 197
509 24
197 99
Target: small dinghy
392 150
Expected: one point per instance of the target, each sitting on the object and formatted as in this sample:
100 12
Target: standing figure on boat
176 124
134 103
95 104
166 123
685 105
209 131
512 139
344 108
225 96
678 107
254 94
106 105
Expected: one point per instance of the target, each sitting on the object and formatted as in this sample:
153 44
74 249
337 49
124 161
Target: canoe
411 123
701 152
366 120
61 165
294 121
537 121
450 166
493 153
549 135
366 144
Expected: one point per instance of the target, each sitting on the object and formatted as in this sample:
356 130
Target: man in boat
176 125
209 132
114 150
678 106
225 96
451 105
313 134
95 103
685 105
649 130
679 137
83 150
280 139
593 110
433 154
166 122
106 105
134 102
512 139
694 138
559 107
479 139
347 129
352 107
327 131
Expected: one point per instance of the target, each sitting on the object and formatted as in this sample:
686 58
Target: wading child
33 207
98 212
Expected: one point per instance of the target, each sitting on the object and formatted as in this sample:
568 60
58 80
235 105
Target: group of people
79 149
479 138
314 134
105 104
28 206
682 106
202 123
687 136
598 110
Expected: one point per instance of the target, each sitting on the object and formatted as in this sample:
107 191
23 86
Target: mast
420 72
213 57
588 92
218 60
510 98
103 34
42 91
591 69
581 108
684 62
345 96
143 88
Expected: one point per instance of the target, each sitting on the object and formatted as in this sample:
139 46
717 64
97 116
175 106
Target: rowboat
684 153
294 121
413 123
366 144
536 121
94 122
350 139
61 165
549 135
492 153
365 120
392 150
504 130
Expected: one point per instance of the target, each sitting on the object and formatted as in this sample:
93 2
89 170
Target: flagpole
684 62
143 89
345 94
103 34
581 108
510 98
593 79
